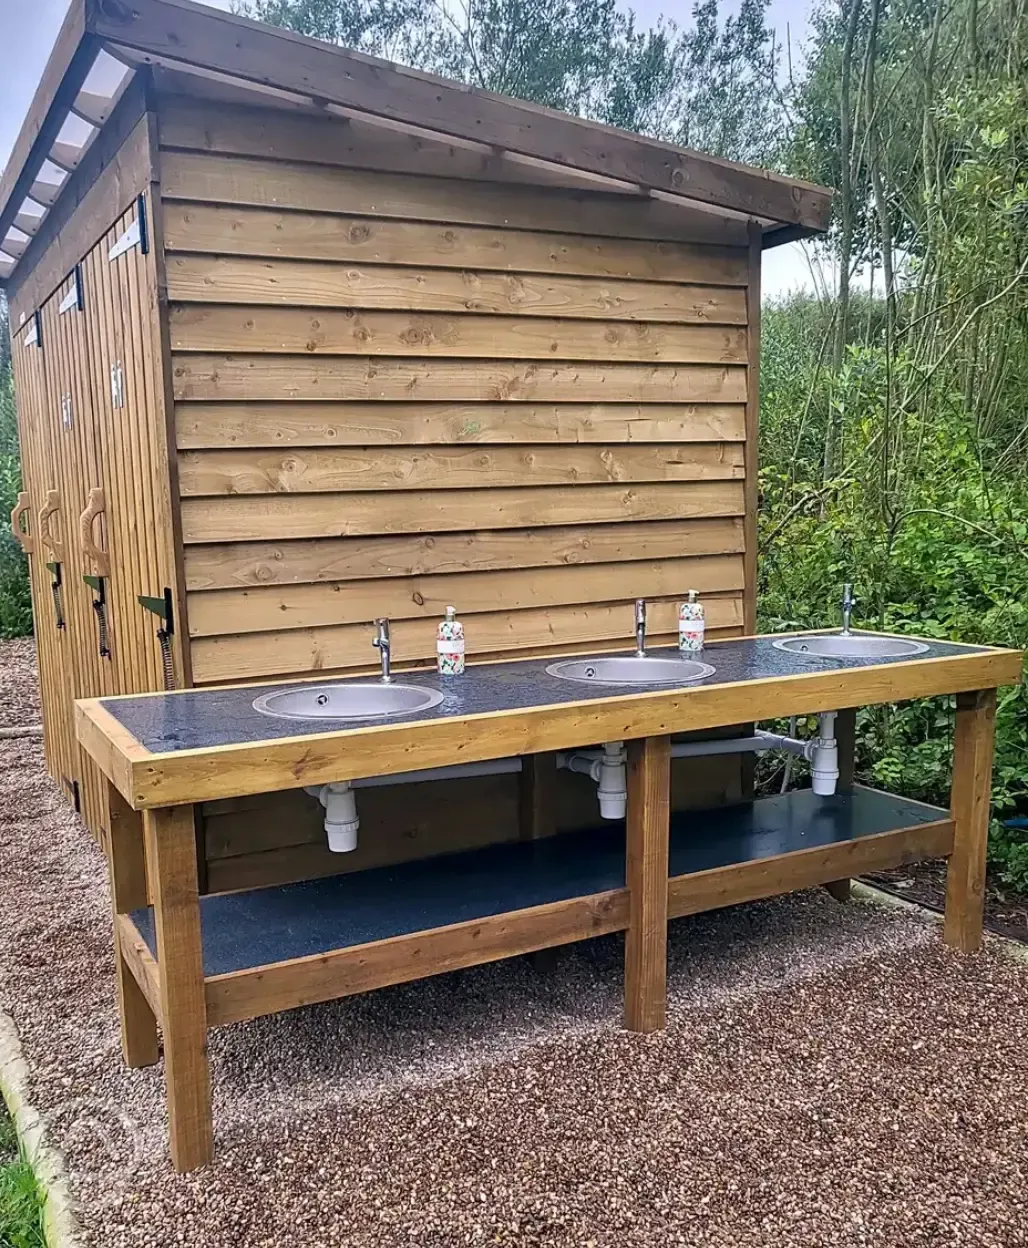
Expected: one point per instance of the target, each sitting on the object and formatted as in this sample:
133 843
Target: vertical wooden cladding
83 437
394 391
124 351
40 475
72 426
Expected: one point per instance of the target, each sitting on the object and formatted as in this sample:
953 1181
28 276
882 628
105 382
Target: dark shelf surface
267 925
197 719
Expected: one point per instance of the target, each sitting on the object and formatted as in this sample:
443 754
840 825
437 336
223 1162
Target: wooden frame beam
66 155
806 868
970 800
45 193
647 839
281 986
537 796
28 223
126 864
93 108
139 961
752 451
15 247
170 839
66 70
189 33
114 169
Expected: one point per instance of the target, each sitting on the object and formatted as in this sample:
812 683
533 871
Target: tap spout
848 603
640 627
382 645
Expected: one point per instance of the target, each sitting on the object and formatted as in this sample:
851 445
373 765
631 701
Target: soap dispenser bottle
450 645
691 624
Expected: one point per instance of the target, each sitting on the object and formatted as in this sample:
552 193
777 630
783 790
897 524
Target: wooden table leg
846 739
127 869
171 862
970 797
646 871
537 796
537 784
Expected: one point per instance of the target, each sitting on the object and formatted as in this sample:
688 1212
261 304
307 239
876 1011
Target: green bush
15 599
946 555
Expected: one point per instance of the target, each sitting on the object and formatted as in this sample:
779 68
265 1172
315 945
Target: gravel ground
830 1075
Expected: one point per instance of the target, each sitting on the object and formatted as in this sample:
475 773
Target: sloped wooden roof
279 67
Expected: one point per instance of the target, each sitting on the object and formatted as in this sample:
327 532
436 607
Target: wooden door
127 382
48 534
73 432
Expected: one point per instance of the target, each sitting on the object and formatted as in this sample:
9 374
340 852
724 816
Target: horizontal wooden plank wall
395 391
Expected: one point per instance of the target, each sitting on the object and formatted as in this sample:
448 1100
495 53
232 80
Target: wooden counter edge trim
805 868
239 769
140 962
111 746
250 993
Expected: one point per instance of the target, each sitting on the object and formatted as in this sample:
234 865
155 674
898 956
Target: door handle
95 507
53 544
22 535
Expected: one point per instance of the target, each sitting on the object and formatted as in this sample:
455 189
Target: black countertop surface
199 719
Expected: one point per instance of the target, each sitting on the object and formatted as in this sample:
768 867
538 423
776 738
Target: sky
29 31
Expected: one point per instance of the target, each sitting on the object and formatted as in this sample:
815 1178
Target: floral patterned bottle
691 624
450 645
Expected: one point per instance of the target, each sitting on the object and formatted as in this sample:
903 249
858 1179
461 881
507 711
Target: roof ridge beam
190 33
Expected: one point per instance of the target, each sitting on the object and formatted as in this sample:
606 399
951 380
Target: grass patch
21 1201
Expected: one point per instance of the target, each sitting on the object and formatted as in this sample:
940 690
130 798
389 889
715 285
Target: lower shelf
546 892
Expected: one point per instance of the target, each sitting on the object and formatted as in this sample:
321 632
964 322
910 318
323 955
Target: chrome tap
848 603
640 627
381 643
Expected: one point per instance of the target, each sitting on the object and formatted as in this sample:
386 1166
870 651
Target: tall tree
710 86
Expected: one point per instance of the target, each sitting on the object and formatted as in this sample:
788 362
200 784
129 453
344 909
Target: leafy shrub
15 599
945 555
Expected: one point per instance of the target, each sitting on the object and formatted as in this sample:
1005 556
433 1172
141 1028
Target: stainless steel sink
850 646
352 700
631 670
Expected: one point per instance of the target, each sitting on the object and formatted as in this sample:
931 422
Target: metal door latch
57 589
99 586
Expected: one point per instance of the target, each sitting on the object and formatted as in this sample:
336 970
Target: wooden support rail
127 866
